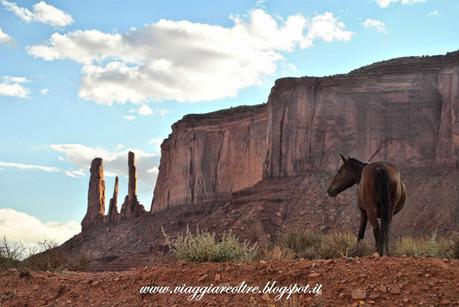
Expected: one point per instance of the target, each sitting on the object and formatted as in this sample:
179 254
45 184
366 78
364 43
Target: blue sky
80 79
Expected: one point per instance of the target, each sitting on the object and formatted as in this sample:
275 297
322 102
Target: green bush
203 246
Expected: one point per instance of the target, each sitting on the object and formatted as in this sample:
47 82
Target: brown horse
381 193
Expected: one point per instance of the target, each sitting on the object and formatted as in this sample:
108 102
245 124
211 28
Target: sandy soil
378 281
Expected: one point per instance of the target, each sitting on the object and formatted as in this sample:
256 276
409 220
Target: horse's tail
382 189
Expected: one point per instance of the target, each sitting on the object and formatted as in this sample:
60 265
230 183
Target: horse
381 193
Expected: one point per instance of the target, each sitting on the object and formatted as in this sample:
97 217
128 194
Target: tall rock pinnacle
131 206
132 185
113 208
96 196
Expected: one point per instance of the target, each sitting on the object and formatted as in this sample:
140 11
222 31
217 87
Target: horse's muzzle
331 193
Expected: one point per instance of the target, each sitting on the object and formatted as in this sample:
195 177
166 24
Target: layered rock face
403 110
212 155
96 196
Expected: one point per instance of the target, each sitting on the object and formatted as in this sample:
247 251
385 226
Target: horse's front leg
363 225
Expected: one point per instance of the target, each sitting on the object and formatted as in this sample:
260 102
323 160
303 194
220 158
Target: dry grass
430 247
312 245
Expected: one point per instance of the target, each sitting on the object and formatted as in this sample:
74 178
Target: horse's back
372 169
370 173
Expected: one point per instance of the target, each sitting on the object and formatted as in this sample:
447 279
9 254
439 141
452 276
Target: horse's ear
344 158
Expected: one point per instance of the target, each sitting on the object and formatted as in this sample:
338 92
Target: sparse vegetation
203 246
311 245
42 257
432 247
11 254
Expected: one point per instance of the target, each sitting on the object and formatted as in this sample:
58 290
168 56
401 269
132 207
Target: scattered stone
395 290
314 275
217 277
25 274
358 294
445 301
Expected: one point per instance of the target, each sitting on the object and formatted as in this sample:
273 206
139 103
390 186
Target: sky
85 79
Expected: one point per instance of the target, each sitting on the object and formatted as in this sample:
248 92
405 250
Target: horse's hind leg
363 225
374 222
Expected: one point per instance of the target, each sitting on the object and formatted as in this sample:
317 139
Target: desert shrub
276 252
49 258
456 245
203 246
303 243
44 256
11 254
432 247
311 245
343 244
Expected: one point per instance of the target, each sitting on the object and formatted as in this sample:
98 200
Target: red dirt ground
378 281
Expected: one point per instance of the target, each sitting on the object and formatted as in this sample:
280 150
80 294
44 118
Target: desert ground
366 281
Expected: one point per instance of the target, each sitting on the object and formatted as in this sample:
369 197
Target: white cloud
44 91
186 61
5 38
145 110
22 166
378 25
41 12
115 162
19 226
387 3
129 118
74 173
157 143
14 87
433 13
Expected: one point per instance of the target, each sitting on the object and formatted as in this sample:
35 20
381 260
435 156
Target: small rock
12 270
95 282
278 213
314 275
382 288
395 290
262 262
217 277
358 294
25 274
444 302
265 297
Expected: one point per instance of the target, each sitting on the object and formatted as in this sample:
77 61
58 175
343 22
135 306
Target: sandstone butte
256 169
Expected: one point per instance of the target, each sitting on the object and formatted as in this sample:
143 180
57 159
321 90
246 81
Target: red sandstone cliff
404 110
261 171
210 156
